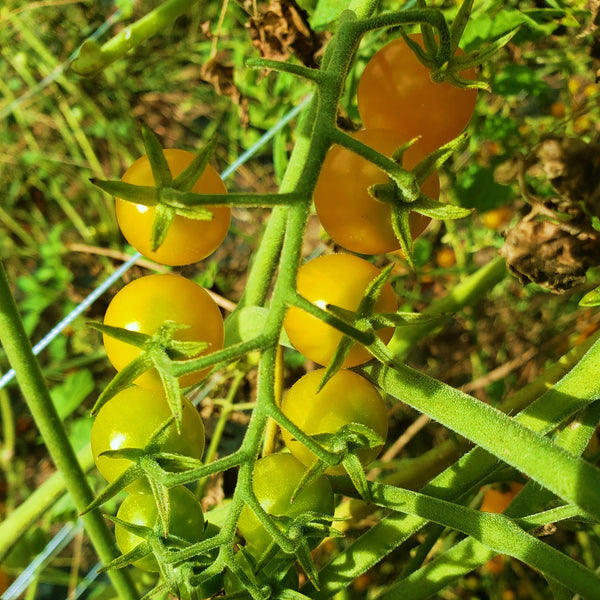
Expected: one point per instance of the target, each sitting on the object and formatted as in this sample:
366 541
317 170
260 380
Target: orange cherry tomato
339 279
395 91
349 214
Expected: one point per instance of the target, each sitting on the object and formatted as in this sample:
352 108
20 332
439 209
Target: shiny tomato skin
146 303
186 521
274 480
346 398
339 279
188 240
129 419
395 91
348 213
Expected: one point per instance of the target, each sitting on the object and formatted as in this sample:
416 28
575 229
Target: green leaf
70 394
591 298
327 12
245 324
476 188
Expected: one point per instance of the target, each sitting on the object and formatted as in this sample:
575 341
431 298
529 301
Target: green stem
92 58
465 293
29 376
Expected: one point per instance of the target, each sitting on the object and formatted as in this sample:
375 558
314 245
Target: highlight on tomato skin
347 211
395 91
187 240
346 398
339 279
144 304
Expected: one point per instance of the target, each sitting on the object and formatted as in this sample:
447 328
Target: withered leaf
281 30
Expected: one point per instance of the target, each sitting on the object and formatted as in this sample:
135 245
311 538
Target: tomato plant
275 478
346 398
395 91
348 212
144 304
339 279
186 521
130 418
187 240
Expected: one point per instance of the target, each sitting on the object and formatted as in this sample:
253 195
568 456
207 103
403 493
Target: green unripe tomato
274 481
186 521
130 418
346 398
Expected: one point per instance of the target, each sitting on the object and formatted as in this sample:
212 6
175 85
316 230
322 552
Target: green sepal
306 562
177 462
131 474
479 56
139 194
156 157
337 360
122 380
401 227
163 506
401 319
434 161
439 210
141 531
187 179
356 473
163 218
142 550
459 24
313 473
133 338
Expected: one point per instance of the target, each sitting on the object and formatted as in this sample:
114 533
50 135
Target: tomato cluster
179 320
330 411
398 102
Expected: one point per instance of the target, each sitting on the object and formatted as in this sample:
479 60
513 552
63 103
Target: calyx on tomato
159 207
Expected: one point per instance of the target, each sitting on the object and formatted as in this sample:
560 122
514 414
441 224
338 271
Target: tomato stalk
29 376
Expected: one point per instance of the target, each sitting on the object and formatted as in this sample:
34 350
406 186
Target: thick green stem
92 58
29 376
